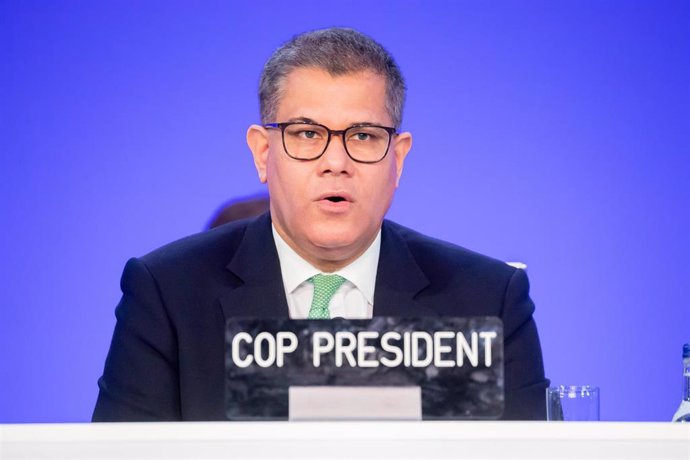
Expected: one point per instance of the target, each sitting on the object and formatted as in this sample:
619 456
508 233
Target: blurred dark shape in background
239 208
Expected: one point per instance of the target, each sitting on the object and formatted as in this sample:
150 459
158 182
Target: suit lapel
260 292
398 278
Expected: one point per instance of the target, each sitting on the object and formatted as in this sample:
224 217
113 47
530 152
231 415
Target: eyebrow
309 120
302 120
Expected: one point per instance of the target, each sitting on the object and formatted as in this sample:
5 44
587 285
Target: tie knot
328 282
324 288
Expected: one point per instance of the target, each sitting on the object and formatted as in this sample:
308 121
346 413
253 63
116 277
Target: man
331 154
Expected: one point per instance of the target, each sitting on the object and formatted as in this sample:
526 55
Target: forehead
313 93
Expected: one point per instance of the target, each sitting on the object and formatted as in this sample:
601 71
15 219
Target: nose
335 159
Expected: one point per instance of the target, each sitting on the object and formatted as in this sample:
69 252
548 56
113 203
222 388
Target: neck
326 260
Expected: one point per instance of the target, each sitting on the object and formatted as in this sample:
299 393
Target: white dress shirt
353 300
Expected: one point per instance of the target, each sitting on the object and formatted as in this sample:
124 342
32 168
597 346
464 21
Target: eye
364 134
305 132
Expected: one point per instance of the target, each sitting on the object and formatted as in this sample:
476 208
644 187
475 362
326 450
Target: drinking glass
572 403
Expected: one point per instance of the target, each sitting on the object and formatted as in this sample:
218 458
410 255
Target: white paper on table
355 403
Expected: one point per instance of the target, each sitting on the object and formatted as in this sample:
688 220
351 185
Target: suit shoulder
217 244
445 256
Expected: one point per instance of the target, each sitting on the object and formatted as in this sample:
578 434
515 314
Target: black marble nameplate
457 362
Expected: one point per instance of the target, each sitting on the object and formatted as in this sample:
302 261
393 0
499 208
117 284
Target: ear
402 145
257 139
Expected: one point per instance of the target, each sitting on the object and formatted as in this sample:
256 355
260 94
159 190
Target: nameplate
456 362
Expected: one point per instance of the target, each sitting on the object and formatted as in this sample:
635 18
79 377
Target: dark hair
338 51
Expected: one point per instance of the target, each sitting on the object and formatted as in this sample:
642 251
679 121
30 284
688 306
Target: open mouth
336 199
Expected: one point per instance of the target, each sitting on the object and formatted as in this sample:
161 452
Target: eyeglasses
308 141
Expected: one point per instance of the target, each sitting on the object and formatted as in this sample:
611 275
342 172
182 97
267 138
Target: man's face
329 234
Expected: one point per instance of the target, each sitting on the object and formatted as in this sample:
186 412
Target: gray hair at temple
338 51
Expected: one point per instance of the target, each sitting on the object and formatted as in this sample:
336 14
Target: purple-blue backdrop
554 133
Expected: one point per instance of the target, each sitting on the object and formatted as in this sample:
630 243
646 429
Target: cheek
390 178
272 163
276 170
381 187
287 183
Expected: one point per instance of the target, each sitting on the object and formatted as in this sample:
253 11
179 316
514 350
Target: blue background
556 133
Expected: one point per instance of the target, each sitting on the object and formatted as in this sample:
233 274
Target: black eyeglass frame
332 132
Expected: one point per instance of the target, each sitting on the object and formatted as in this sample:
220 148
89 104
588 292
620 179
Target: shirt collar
361 272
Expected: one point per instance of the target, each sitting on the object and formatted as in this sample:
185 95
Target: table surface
311 440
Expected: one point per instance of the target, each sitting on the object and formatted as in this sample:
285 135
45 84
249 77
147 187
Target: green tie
324 288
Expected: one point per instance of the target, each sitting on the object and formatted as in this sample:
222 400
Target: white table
360 440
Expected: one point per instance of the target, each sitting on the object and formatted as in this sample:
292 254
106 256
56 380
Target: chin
332 242
332 238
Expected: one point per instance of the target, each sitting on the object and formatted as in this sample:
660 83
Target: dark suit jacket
166 359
